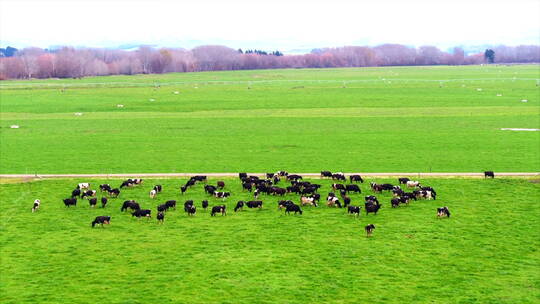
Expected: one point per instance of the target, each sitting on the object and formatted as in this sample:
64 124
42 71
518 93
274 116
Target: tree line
69 62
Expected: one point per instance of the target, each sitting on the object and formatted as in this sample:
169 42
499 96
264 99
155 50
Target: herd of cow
307 191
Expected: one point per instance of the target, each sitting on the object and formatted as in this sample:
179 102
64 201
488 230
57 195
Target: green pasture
417 119
486 252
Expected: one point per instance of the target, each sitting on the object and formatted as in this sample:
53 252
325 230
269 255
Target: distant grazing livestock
160 217
293 177
269 175
101 220
413 184
158 188
142 213
395 202
371 198
90 193
293 208
282 173
372 208
103 202
114 192
76 193
338 187
276 179
306 200
171 204
187 205
36 205
247 186
346 200
183 189
254 204
162 208
70 201
131 204
239 205
83 186
326 174
428 189
403 180
333 201
353 188
199 178
284 203
278 191
93 202
369 229
205 204
443 211
489 174
153 194
104 187
221 184
191 210
356 178
222 195
219 209
380 187
338 176
242 175
354 210
425 194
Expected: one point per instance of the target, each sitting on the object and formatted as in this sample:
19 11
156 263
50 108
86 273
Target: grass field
487 252
407 119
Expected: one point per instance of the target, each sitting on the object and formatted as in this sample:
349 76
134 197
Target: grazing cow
413 184
83 186
276 179
183 189
372 208
199 178
354 210
269 175
293 208
371 198
142 213
369 229
219 209
160 217
36 205
307 200
158 188
101 220
338 187
425 194
191 210
153 194
70 201
282 173
247 186
114 192
403 180
346 200
127 183
137 181
131 204
162 208
239 205
356 178
205 204
103 202
294 177
443 211
221 184
242 175
428 189
333 201
93 202
254 204
222 195
90 193
395 202
76 193
284 204
339 176
353 188
171 204
489 174
326 174
210 189
104 187
188 204
278 191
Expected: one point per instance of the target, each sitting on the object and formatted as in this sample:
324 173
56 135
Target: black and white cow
354 210
222 195
339 176
403 180
37 203
158 188
160 217
356 178
219 209
114 192
191 210
369 229
187 205
443 211
101 220
308 200
338 187
82 186
153 193
104 187
489 174
89 193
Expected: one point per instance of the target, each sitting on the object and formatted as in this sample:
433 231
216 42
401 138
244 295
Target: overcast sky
270 24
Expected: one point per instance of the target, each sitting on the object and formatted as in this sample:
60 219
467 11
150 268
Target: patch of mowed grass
368 120
486 252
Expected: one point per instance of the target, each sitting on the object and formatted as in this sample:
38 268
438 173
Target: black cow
395 202
338 186
162 208
183 189
157 188
372 198
191 210
294 177
171 204
354 210
70 202
372 208
221 184
254 204
353 188
356 178
205 204
210 189
199 178
93 202
489 174
142 213
128 183
278 191
104 187
346 200
160 217
247 186
443 211
76 193
339 176
239 205
403 180
293 208
188 204
269 175
101 220
284 204
242 175
369 229
219 209
326 174
114 192
131 204
104 201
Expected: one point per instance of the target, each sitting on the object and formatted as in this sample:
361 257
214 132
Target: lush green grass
367 120
487 252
